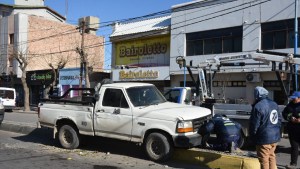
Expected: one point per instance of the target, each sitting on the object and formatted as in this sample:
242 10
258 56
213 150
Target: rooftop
147 25
33 7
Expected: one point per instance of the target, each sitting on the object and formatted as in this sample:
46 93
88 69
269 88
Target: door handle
101 110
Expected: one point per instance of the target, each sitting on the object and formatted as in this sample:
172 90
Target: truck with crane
201 94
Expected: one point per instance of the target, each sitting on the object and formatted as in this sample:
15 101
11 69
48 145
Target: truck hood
169 110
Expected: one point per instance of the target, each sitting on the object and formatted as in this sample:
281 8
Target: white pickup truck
135 112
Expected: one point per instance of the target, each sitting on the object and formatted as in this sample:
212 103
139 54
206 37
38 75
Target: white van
8 97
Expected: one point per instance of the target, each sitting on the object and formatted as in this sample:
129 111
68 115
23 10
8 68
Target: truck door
113 116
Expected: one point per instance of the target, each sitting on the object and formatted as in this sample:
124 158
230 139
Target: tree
22 58
55 68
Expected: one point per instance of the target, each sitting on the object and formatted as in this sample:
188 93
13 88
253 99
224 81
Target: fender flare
55 127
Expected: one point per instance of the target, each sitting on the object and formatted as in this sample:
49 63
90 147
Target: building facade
141 51
202 30
43 37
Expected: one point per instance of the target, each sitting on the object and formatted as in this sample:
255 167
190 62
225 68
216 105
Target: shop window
214 41
278 35
228 45
195 47
267 40
11 38
229 84
208 46
237 44
271 83
187 84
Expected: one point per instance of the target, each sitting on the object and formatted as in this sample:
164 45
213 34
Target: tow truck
201 93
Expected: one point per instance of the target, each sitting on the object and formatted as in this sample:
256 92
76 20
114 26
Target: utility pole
86 25
83 57
81 52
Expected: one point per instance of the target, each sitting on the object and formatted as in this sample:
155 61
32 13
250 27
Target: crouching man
228 133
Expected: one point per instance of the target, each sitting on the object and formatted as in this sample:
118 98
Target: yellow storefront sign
144 52
149 74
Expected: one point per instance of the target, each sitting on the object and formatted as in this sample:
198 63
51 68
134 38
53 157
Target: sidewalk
20 121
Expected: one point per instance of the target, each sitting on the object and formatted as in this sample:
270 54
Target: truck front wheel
158 147
68 137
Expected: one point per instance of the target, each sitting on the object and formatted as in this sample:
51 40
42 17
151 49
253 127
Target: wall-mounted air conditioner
253 77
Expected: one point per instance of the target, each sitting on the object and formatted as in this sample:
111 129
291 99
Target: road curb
215 160
12 126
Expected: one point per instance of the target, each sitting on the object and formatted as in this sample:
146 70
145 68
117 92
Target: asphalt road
39 150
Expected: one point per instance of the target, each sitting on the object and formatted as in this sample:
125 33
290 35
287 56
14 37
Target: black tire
158 147
242 141
68 137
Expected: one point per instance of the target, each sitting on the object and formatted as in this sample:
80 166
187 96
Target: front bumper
187 141
9 107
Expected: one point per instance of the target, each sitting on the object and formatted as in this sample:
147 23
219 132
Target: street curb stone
215 160
12 126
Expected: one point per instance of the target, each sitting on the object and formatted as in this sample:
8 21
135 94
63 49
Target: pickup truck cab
135 112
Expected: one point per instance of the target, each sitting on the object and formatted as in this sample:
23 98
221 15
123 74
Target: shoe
291 166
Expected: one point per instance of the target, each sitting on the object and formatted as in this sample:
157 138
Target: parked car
1 112
8 98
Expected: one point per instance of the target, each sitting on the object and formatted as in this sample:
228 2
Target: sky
106 10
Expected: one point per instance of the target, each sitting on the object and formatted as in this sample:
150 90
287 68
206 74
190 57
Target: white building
204 29
141 51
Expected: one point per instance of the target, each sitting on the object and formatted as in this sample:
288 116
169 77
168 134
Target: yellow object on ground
215 160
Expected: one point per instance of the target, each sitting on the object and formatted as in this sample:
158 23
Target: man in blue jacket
227 131
264 128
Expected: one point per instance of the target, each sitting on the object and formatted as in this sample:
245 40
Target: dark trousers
224 143
294 141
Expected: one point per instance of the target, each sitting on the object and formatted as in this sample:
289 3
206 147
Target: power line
101 44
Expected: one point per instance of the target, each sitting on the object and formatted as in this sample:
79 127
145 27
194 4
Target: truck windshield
145 96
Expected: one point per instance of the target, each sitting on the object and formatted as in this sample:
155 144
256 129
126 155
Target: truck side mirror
97 97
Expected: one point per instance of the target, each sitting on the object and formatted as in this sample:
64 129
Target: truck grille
197 123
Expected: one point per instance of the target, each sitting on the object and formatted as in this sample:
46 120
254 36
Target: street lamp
180 60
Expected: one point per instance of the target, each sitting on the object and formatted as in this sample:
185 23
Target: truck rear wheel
68 137
158 147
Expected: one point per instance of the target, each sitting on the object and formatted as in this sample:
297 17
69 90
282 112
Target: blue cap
295 95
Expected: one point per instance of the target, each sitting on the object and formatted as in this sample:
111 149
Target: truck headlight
184 126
